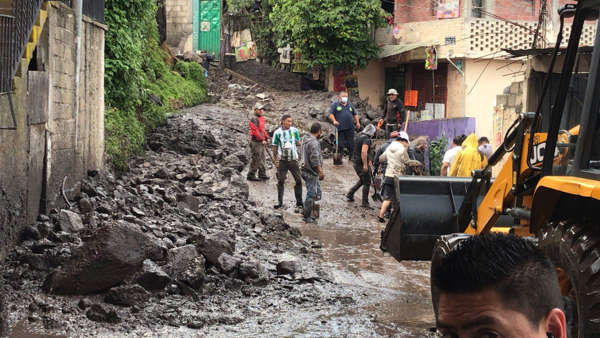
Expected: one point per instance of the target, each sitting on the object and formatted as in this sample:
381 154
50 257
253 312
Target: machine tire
575 248
442 247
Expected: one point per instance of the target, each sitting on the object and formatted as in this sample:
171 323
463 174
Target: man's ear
556 323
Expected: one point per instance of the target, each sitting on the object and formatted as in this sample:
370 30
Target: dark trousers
346 141
284 167
257 150
364 182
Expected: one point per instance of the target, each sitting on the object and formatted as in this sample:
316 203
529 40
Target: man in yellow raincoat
468 158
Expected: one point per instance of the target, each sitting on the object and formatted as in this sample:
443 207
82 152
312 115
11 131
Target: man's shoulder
277 132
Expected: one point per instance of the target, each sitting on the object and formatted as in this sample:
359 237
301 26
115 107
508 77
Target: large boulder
213 246
70 221
112 254
186 265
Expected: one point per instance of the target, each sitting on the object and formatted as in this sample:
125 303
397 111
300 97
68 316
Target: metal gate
208 17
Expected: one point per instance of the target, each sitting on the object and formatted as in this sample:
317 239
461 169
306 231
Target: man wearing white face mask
344 117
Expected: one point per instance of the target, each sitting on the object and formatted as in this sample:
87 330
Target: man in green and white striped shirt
286 141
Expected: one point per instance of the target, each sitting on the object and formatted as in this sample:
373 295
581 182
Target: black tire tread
575 248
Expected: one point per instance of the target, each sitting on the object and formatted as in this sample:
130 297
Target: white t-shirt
449 156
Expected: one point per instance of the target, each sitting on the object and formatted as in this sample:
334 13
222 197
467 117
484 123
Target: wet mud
283 277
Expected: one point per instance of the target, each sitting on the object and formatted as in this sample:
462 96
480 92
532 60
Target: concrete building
51 121
469 37
193 25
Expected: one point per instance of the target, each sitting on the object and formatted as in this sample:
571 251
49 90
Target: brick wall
414 11
43 149
180 25
73 153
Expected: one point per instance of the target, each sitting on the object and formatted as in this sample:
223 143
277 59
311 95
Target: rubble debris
187 265
288 267
98 313
70 221
152 277
112 254
127 295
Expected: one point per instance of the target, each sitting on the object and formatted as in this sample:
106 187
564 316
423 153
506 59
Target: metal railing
14 35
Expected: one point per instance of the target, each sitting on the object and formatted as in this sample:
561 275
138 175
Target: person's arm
355 115
444 171
274 147
364 156
332 115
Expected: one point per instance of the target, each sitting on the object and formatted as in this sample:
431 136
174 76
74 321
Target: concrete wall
43 150
371 82
435 33
180 25
456 93
484 80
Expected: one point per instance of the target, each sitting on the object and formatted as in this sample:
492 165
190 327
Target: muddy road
396 295
220 261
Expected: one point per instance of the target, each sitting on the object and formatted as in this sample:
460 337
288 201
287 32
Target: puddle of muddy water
398 295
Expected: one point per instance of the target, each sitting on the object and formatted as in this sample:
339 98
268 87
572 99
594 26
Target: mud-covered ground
247 269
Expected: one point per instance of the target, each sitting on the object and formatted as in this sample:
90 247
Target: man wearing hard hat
395 116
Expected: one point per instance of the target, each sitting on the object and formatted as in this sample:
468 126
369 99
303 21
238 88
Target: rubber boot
350 194
365 197
298 193
308 206
279 197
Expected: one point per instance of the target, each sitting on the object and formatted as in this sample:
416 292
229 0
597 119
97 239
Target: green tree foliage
437 148
135 69
329 32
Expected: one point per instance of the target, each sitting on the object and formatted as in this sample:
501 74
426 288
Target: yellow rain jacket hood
468 158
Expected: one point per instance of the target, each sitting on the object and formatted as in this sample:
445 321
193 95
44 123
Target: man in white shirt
451 153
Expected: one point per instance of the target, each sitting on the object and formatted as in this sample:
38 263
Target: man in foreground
496 285
362 162
258 142
286 139
312 169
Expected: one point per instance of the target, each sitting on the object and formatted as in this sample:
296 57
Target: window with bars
477 6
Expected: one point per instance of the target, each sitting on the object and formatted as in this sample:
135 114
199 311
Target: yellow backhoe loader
548 189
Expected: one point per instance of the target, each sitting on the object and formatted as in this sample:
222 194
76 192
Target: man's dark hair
458 140
315 128
522 276
483 139
285 117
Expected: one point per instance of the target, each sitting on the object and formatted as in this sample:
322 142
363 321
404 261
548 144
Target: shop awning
391 50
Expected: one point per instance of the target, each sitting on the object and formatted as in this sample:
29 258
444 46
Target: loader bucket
427 209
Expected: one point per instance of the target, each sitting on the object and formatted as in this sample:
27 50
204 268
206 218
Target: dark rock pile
178 224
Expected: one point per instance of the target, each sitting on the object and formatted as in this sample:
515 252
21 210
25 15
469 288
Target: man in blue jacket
344 117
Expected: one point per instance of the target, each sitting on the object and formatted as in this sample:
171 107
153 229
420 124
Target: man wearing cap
362 160
258 140
378 166
344 117
394 112
396 156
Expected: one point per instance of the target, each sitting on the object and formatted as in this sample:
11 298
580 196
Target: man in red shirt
258 139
